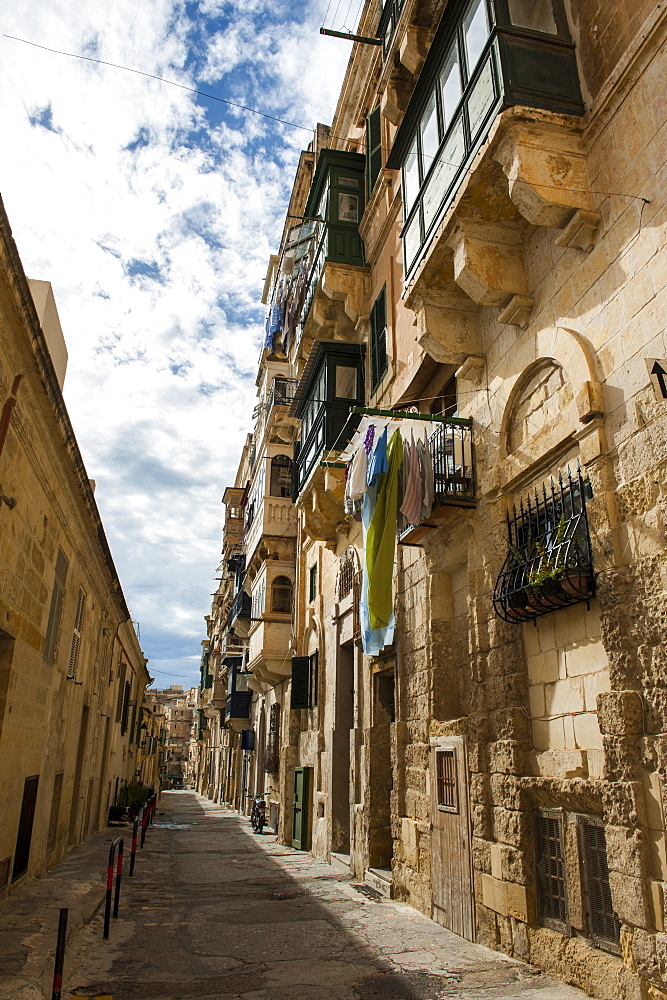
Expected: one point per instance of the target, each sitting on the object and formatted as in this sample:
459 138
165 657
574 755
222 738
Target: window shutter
313 680
378 339
76 634
126 708
121 692
373 148
603 923
300 682
551 871
57 597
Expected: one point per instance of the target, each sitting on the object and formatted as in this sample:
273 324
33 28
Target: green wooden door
300 808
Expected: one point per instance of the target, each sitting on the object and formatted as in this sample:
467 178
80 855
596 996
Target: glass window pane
410 179
448 165
538 15
429 133
481 99
348 207
412 241
450 86
346 382
476 29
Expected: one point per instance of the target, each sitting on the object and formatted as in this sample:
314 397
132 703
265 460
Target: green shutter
312 681
300 682
378 339
373 148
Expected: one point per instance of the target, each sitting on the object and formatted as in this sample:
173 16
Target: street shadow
212 914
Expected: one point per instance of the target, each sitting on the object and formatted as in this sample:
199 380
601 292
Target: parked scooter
258 814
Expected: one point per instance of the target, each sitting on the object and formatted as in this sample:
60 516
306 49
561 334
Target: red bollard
107 905
133 849
60 956
119 873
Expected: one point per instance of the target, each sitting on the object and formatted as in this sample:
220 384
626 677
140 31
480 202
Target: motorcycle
258 814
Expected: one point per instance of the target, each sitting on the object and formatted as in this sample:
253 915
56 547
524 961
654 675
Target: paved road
215 912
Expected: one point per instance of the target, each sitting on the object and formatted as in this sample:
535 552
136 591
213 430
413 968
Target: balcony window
280 484
281 595
332 384
486 55
549 563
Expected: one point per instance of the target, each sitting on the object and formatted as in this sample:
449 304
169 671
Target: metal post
119 874
133 849
60 956
144 820
107 903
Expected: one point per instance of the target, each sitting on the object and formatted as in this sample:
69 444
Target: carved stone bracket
580 232
488 262
413 48
472 369
396 97
517 311
547 171
447 326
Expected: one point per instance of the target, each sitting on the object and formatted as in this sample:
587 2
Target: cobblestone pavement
215 912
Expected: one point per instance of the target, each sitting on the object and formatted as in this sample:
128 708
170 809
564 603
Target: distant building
72 674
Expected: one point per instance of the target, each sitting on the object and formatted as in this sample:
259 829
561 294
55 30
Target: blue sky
153 212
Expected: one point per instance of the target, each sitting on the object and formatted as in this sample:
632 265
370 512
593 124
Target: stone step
379 879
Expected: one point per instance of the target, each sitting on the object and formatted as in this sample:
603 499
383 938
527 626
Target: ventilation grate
366 890
551 872
603 922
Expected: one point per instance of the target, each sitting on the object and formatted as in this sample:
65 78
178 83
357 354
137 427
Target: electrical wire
303 128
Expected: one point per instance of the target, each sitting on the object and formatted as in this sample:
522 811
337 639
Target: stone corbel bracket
472 369
489 262
447 326
517 311
547 173
581 231
413 48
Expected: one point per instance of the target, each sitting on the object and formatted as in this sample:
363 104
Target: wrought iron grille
549 564
551 871
445 772
450 446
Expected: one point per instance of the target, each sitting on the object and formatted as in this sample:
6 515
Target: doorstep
340 862
380 880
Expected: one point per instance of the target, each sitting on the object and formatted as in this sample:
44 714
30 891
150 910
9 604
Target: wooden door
451 860
300 808
24 835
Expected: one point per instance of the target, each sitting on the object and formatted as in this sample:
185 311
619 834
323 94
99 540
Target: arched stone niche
538 409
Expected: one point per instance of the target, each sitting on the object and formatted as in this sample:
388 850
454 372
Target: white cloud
156 246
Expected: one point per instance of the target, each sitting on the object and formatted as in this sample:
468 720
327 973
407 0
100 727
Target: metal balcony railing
282 392
549 564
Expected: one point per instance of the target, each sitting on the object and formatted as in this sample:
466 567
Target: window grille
445 773
551 871
603 924
272 755
55 610
345 576
281 595
549 564
76 634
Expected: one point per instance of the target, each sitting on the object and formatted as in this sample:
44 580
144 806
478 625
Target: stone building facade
72 674
483 227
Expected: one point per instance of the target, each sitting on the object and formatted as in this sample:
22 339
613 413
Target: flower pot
577 584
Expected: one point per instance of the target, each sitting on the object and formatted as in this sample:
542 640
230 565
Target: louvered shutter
313 680
603 923
373 148
76 634
57 597
551 871
121 692
300 682
126 707
378 339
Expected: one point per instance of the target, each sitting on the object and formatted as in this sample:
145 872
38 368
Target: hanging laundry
426 468
378 460
357 478
368 440
373 641
413 488
381 538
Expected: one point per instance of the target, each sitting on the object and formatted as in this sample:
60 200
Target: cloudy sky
153 212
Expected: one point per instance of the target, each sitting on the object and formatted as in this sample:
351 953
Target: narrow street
214 911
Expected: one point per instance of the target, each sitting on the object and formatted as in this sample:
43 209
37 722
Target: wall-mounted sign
657 369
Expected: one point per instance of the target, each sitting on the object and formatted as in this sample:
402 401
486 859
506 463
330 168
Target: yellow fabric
381 539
